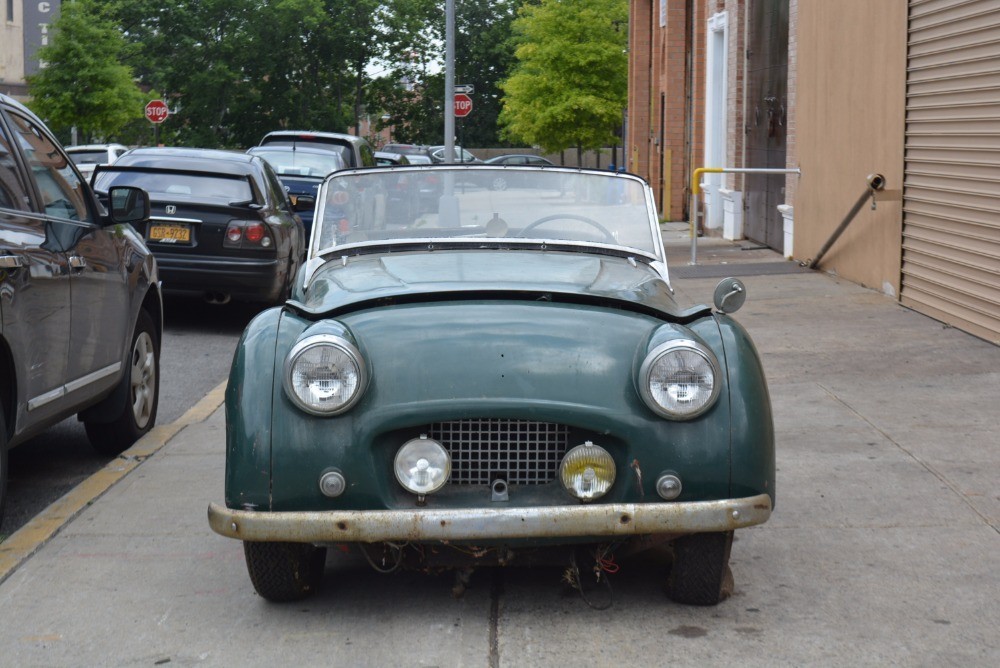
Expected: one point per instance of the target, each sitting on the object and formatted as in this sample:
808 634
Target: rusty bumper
488 524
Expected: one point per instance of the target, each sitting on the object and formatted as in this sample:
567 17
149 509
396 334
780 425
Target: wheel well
153 305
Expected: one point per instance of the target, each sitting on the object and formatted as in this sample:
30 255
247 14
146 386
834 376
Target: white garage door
951 197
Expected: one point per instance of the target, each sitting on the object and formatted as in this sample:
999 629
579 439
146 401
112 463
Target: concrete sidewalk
884 548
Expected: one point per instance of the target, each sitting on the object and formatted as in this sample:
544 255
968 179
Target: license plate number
170 234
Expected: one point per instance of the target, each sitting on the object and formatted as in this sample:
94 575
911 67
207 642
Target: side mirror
128 204
730 294
304 203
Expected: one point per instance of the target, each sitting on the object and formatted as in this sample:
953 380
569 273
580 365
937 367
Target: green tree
485 56
235 69
570 83
412 94
84 82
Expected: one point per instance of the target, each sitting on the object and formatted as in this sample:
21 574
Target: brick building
838 90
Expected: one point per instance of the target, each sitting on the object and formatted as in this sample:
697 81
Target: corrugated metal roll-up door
951 188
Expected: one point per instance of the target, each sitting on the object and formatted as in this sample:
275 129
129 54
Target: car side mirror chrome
304 203
730 295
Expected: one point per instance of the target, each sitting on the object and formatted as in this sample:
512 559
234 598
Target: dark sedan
519 159
222 225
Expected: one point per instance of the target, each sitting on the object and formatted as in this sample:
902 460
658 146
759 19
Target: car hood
350 283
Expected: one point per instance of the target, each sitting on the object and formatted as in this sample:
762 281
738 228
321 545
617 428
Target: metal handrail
696 190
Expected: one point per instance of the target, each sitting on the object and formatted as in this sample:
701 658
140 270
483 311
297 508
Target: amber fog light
422 465
332 483
668 486
587 471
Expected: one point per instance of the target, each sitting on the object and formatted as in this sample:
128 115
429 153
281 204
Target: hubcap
143 380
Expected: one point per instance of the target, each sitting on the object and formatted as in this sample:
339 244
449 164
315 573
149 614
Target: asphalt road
197 348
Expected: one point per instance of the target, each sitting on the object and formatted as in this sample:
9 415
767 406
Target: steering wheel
608 237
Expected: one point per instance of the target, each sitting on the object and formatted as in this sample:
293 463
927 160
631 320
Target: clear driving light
324 375
422 465
587 471
679 379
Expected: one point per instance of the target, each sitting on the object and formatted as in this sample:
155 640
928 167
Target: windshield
302 163
470 205
165 184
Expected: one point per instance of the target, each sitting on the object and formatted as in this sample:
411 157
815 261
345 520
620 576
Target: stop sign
157 111
463 105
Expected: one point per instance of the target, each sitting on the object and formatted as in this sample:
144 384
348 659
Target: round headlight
587 471
422 465
679 379
324 375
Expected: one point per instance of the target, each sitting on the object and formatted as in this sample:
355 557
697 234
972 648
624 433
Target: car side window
13 194
278 192
61 188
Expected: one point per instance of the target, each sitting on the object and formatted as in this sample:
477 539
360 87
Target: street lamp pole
449 81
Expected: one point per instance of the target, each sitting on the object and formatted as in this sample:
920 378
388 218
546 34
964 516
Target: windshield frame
315 252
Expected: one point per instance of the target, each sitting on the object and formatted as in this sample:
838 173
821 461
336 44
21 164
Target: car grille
522 452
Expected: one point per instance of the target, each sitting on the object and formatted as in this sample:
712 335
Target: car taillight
254 233
247 234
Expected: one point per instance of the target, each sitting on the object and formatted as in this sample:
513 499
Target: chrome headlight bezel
340 344
672 347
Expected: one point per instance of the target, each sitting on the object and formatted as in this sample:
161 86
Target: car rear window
342 150
181 187
88 157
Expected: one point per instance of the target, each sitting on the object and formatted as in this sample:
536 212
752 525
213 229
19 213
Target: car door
99 307
35 308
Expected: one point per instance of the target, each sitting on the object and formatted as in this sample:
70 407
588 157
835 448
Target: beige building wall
850 94
11 48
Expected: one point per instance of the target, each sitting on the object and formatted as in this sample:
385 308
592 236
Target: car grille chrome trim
522 452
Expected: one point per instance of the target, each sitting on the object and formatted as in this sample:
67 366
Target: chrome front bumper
490 524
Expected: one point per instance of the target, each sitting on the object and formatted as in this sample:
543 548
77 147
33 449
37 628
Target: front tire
700 573
282 572
142 392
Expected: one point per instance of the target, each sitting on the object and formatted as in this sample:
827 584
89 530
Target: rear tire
700 573
282 572
141 385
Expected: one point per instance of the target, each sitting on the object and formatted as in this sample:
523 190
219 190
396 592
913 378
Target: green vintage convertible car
496 377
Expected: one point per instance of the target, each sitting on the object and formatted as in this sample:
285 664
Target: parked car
355 151
502 181
222 225
387 159
506 379
518 159
88 156
419 154
80 309
301 170
460 155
